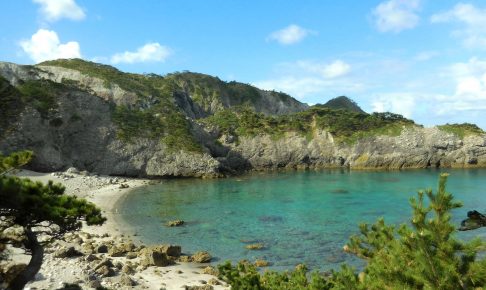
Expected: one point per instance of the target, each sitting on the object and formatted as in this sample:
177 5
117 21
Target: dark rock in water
340 190
271 219
474 221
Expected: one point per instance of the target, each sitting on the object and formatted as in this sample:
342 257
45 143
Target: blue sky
424 59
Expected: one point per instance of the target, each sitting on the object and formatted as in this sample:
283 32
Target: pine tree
38 209
425 255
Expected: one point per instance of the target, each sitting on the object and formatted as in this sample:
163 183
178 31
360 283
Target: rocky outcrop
474 221
81 133
415 147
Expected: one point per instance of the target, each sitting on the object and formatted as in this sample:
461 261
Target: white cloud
473 32
426 55
305 77
335 69
399 103
53 10
45 45
289 35
396 15
150 52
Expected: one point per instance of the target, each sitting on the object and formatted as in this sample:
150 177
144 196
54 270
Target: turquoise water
298 216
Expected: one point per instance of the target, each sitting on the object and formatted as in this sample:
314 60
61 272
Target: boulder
170 250
474 221
185 259
125 280
105 271
105 262
11 271
127 269
201 257
152 257
209 270
67 252
131 255
214 281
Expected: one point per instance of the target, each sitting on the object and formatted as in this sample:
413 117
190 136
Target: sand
106 193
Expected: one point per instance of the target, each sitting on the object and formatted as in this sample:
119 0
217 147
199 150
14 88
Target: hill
97 118
344 103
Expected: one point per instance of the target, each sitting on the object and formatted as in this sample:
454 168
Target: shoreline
107 194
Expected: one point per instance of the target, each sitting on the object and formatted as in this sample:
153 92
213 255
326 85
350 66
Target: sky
424 59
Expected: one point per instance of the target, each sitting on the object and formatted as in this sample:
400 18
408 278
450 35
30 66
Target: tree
425 255
39 209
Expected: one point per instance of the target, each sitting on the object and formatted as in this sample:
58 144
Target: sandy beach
106 192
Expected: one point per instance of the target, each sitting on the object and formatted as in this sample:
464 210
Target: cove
300 217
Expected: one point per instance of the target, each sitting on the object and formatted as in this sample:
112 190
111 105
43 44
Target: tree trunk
28 274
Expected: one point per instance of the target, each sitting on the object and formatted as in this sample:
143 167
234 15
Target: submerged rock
257 246
175 223
261 263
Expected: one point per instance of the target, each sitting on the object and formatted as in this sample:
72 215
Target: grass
461 130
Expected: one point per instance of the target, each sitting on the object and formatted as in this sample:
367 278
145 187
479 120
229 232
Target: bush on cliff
425 255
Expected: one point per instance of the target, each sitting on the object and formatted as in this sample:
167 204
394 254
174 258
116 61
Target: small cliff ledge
96 118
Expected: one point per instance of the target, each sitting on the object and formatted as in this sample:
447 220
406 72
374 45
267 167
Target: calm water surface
299 216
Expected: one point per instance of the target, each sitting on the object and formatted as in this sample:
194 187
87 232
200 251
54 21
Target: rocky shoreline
108 255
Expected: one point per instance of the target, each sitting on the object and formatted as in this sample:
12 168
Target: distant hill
345 103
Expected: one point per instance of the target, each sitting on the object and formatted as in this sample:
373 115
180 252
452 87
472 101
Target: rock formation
67 116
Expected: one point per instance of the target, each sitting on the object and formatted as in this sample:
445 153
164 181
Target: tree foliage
37 209
422 255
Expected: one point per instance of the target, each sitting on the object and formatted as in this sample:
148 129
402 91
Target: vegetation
41 95
462 130
422 255
345 126
12 105
37 209
345 103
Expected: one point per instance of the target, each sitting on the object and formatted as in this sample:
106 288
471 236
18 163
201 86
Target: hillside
97 118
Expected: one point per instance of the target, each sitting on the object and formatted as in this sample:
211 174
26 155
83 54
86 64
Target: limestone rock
201 257
67 252
209 270
125 280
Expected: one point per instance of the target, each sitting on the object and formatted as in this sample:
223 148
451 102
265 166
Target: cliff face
415 148
74 124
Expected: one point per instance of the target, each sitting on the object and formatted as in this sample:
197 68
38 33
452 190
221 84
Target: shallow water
298 216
